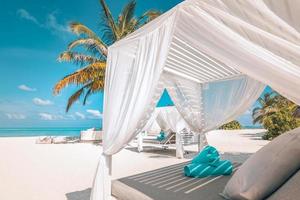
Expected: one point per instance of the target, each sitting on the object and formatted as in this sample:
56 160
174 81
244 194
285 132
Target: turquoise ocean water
30 132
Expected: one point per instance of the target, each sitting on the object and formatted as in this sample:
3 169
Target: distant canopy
213 57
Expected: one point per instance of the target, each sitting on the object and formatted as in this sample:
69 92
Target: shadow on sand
155 152
251 136
79 195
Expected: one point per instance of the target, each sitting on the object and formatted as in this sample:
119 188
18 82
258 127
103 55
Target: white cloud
95 114
42 102
15 116
26 88
22 13
71 117
51 23
50 117
80 115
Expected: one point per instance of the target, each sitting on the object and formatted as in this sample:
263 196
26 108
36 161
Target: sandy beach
32 171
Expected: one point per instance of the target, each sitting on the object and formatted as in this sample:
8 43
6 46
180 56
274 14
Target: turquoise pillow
208 154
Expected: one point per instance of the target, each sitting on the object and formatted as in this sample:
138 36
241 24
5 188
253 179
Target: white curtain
224 101
258 38
187 97
152 126
170 118
132 90
207 106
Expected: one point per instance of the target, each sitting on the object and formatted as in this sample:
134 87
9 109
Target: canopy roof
209 40
214 58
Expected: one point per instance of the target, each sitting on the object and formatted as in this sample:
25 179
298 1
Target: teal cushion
208 154
221 167
161 136
208 163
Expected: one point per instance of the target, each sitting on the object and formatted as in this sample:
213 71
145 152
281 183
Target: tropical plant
267 106
296 112
276 114
231 125
89 50
280 122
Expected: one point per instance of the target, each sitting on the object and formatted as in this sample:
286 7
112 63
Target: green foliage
231 125
276 114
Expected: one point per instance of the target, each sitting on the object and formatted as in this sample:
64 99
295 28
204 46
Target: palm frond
258 119
77 58
148 16
91 44
76 96
80 29
88 93
94 71
109 20
126 16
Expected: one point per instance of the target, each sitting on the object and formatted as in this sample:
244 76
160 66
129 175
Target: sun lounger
90 135
169 183
44 140
59 140
169 139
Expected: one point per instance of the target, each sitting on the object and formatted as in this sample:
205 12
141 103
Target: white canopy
167 118
214 57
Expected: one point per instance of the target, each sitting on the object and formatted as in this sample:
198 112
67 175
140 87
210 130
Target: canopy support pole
140 142
202 141
179 146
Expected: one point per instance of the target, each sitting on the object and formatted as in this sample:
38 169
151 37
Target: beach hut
214 58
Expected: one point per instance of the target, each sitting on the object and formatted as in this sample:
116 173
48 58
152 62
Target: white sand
32 171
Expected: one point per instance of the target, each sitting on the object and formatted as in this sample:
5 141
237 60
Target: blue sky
33 34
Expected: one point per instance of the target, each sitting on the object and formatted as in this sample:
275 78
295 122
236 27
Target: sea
31 132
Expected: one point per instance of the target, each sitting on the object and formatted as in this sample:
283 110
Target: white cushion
290 190
267 169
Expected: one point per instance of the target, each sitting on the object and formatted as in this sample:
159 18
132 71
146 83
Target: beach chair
44 140
90 135
169 139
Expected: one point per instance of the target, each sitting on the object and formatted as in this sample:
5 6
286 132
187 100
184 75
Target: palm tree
266 108
90 76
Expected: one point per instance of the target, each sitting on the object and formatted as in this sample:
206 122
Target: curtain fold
132 90
207 106
152 126
171 120
224 101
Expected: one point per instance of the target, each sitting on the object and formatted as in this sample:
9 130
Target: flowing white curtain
132 90
206 106
224 101
152 126
171 119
